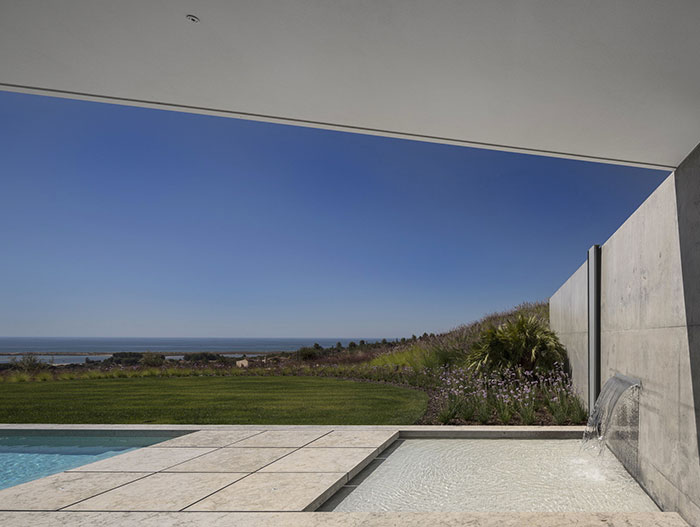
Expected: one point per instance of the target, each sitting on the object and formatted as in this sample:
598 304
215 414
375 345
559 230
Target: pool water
503 475
25 456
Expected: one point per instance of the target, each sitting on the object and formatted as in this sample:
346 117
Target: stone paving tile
232 460
208 438
274 492
61 490
338 519
323 460
355 438
158 492
75 519
262 519
144 460
283 438
175 519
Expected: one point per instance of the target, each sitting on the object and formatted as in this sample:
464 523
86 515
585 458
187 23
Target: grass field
211 400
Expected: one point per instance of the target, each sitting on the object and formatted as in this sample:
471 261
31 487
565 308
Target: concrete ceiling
613 80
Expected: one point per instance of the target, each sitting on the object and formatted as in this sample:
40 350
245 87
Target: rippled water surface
496 475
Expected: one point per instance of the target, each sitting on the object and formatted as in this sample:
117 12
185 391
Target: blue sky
121 221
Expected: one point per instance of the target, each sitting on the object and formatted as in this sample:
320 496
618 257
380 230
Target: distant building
242 363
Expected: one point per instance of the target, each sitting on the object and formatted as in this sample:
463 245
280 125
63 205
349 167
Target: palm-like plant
523 342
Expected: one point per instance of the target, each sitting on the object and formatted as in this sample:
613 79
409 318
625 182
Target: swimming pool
26 455
486 475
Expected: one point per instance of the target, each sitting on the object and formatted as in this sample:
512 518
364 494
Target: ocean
71 350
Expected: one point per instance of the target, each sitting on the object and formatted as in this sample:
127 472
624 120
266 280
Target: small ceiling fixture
192 18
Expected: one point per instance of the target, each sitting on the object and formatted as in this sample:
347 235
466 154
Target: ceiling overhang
614 81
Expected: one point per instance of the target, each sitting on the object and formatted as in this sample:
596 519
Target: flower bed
507 396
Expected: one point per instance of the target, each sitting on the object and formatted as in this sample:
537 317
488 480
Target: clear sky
121 221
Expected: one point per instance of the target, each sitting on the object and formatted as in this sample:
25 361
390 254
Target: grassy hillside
451 348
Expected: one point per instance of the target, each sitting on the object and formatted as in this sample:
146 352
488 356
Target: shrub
308 353
124 358
152 359
442 351
204 356
28 363
524 342
453 348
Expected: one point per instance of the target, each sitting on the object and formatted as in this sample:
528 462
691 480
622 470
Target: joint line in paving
255 471
103 492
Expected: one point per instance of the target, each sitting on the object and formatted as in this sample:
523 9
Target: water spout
600 418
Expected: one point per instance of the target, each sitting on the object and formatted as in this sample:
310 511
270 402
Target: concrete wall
568 313
650 329
644 335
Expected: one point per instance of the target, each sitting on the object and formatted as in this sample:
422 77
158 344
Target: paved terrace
256 475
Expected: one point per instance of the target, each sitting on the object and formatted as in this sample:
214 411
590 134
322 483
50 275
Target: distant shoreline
102 353
79 350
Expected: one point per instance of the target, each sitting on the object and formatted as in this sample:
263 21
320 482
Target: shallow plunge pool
507 475
26 455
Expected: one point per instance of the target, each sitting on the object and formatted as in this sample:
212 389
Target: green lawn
210 400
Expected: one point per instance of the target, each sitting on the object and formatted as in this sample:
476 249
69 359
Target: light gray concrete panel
642 283
651 355
577 350
688 198
569 305
568 315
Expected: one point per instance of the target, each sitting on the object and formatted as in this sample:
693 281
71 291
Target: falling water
598 430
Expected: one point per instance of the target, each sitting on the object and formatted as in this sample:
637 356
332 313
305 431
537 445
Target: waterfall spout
600 418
